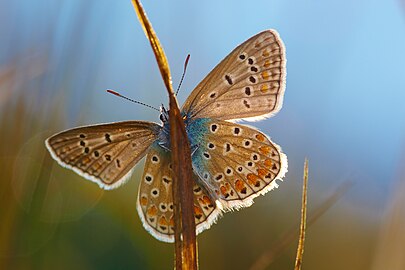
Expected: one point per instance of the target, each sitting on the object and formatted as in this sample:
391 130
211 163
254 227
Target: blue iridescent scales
232 163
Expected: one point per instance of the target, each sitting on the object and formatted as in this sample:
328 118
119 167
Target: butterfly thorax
195 128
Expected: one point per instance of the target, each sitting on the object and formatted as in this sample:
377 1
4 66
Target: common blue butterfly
232 163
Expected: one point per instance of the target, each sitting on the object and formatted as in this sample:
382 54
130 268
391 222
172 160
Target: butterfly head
164 114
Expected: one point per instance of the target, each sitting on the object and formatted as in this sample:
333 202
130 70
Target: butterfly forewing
237 163
155 200
248 84
103 153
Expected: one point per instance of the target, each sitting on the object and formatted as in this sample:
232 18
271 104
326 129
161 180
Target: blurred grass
390 249
39 198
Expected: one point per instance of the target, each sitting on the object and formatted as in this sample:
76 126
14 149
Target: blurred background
343 109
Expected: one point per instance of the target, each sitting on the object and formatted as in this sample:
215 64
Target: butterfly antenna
184 73
134 101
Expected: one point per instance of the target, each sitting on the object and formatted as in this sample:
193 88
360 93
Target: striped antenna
134 101
184 73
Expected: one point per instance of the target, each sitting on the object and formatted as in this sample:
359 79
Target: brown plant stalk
300 249
184 224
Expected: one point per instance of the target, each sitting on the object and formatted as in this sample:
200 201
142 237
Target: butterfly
232 163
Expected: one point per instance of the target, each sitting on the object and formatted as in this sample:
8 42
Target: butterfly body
232 163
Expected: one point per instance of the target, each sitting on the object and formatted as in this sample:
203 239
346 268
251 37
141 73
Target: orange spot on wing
163 221
223 190
268 163
265 149
264 88
86 160
267 63
252 178
262 172
197 210
97 166
152 211
260 137
266 53
239 185
265 75
207 200
144 201
171 221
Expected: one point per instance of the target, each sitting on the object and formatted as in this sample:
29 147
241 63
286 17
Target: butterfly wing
236 162
248 84
155 200
104 153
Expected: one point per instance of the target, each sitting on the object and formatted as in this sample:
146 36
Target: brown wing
104 153
248 84
155 200
238 163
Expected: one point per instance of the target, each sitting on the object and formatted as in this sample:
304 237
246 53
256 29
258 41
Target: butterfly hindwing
155 200
248 84
104 153
237 162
